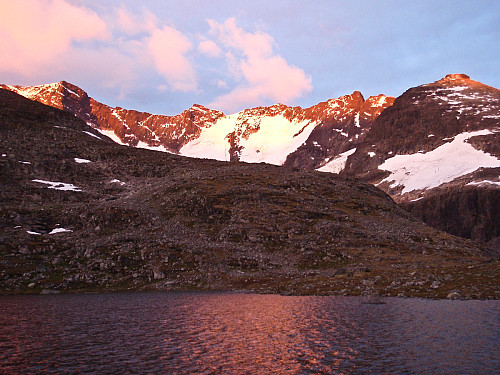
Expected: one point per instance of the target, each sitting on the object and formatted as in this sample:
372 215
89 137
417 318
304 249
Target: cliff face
343 124
470 212
130 127
80 212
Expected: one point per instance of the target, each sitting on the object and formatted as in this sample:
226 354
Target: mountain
80 212
305 138
436 151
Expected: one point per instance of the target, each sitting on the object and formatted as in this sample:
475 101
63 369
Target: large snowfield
443 164
276 139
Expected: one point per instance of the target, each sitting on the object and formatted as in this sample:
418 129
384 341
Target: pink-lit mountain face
306 138
133 128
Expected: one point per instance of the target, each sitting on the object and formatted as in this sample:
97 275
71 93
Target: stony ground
145 220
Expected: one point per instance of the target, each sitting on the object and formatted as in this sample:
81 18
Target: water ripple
225 333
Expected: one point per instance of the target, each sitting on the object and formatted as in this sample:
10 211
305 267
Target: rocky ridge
335 126
80 212
133 128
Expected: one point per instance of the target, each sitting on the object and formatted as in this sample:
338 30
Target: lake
231 333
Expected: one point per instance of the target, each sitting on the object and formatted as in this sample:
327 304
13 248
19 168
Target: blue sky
164 56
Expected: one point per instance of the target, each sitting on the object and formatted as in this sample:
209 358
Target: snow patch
337 164
59 185
82 161
60 230
416 199
443 164
371 154
35 233
484 182
72 92
144 145
341 132
91 134
116 181
212 142
111 134
276 138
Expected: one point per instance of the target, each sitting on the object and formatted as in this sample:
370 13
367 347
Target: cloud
133 24
168 48
34 34
251 44
219 83
261 74
209 48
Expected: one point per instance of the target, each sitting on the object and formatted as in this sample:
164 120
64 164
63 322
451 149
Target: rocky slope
306 138
80 212
436 150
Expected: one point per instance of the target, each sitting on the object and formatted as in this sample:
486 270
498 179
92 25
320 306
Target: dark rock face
469 210
465 212
426 117
79 212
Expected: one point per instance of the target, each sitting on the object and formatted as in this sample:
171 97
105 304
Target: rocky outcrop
467 210
343 124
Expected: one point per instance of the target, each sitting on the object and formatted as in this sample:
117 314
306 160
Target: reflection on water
223 333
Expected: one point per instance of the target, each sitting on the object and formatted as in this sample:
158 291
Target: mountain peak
455 77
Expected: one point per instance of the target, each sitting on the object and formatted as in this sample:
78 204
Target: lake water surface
228 333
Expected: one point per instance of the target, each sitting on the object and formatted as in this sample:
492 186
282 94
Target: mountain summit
436 150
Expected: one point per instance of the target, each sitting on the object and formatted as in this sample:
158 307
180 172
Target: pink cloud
261 74
251 44
209 48
168 48
34 34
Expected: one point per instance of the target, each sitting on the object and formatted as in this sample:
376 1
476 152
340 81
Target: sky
162 56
